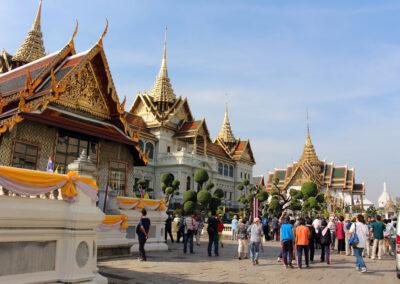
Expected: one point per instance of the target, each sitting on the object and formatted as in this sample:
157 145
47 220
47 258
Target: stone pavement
175 267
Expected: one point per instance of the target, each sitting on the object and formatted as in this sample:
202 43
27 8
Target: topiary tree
219 193
189 207
309 189
200 176
190 195
371 211
209 186
142 185
170 187
204 197
312 199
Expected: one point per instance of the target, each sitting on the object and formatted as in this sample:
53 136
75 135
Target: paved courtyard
175 267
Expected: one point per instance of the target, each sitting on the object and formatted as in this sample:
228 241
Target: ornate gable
83 93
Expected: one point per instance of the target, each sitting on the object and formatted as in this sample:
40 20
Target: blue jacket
286 232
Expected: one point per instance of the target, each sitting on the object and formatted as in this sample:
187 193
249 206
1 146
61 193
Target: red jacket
220 227
339 231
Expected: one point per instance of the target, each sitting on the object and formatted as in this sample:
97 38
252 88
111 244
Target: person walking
212 231
143 233
256 232
332 228
287 241
275 228
265 226
220 230
325 241
340 236
198 229
311 243
234 228
168 227
377 228
347 226
317 225
181 228
189 225
243 240
361 230
302 235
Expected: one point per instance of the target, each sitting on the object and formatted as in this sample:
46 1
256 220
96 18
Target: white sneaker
279 259
373 257
357 268
379 257
364 270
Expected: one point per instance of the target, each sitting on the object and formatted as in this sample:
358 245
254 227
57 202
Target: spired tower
32 48
309 155
162 93
226 134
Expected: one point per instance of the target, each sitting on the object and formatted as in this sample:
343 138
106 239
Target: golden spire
32 47
309 151
162 90
225 133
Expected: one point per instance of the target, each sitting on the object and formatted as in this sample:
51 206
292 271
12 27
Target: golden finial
36 23
75 32
163 70
308 141
309 151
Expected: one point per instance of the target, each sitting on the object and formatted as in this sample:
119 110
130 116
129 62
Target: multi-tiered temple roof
310 168
161 107
31 49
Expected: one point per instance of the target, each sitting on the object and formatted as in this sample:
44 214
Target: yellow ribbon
113 219
47 179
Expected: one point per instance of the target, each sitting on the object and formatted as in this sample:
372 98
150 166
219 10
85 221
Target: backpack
211 227
325 240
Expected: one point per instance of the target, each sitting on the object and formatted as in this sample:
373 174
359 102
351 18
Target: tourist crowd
299 237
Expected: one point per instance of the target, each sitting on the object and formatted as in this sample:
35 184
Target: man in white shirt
332 228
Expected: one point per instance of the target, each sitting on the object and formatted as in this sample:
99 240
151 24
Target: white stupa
384 198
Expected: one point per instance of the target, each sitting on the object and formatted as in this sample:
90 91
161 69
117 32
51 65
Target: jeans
333 235
142 253
377 244
326 253
359 260
213 239
179 234
300 255
254 251
188 237
168 231
287 248
311 247
393 242
198 234
276 234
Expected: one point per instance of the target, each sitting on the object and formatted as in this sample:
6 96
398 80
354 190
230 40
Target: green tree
170 187
371 211
200 176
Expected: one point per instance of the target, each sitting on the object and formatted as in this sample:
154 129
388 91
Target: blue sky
275 59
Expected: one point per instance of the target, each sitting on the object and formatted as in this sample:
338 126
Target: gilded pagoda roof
226 133
309 151
162 89
32 48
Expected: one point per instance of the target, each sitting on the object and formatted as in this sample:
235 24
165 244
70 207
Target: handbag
354 240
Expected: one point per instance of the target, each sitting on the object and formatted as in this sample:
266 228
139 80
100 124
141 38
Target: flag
255 208
224 209
141 192
50 165
56 171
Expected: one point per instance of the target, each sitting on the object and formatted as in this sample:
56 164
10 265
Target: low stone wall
48 240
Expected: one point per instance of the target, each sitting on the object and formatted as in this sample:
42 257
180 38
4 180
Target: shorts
243 246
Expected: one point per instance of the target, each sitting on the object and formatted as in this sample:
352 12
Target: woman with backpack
325 240
359 231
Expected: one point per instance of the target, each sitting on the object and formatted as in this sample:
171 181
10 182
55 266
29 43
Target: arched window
231 171
141 145
220 169
168 149
225 169
149 146
188 183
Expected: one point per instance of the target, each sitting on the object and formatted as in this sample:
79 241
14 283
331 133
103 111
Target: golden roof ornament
32 48
309 151
162 90
226 131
